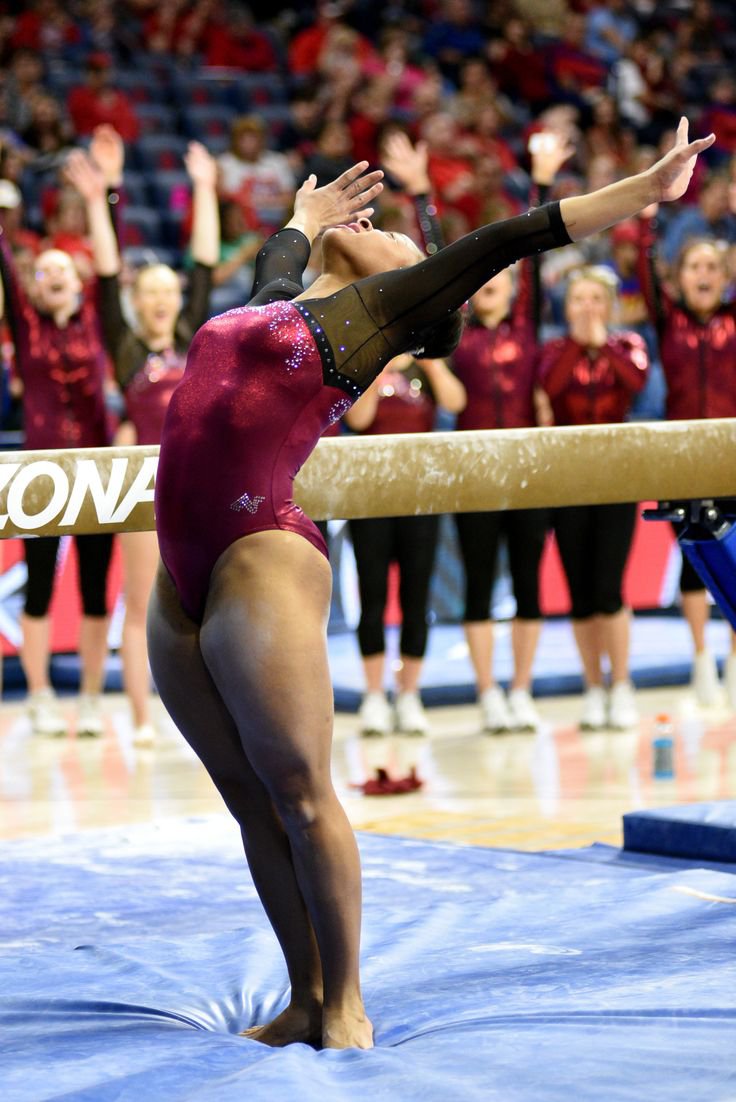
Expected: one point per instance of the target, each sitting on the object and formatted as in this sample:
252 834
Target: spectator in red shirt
450 164
308 46
165 30
520 66
590 377
696 327
96 103
230 39
485 124
46 28
369 117
62 364
574 71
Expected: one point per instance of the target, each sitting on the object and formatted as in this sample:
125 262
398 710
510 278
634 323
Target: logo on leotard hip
247 502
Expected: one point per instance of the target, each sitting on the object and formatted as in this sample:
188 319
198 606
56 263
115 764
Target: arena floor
560 788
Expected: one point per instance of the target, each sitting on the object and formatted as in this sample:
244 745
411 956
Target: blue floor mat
130 959
702 831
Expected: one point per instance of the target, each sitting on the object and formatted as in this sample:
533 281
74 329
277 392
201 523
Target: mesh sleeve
279 267
363 326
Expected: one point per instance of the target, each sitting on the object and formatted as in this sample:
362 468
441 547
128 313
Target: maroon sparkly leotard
262 383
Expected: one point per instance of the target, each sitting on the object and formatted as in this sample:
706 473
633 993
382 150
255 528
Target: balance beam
111 489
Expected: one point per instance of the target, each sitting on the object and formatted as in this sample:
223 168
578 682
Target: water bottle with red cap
663 747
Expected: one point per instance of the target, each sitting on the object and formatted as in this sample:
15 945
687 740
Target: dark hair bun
440 340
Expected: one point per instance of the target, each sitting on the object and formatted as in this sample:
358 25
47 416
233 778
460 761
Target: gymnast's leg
196 707
264 641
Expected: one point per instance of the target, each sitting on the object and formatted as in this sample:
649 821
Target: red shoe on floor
410 782
382 785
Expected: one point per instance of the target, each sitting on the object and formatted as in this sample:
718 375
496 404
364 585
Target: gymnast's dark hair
440 340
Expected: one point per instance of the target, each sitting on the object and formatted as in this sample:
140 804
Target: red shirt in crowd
698 357
593 386
63 371
498 367
251 52
89 108
405 403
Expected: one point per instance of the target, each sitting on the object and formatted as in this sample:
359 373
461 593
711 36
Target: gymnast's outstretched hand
666 180
344 200
673 172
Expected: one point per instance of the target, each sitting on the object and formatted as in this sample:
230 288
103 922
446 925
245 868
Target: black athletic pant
410 542
93 558
594 543
525 531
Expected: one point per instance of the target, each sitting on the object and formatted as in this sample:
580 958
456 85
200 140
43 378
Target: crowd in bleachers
315 87
276 96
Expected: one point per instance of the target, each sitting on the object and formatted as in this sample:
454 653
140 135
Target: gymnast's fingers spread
701 143
350 174
364 194
364 183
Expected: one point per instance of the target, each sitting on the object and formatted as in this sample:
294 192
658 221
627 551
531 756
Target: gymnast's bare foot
347 1029
296 1024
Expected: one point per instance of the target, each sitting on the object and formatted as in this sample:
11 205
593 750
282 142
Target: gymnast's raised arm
374 318
281 261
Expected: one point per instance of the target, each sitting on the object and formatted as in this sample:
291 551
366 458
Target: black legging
411 542
594 543
479 534
93 560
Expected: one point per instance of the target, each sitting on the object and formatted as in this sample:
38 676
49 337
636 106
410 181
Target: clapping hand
407 163
200 165
108 153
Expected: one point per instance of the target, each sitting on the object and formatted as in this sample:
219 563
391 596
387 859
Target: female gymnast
148 360
238 614
697 344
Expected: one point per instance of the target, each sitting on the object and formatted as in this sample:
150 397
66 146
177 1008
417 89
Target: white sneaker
44 715
495 710
375 716
145 735
89 721
593 715
411 718
705 679
622 710
729 680
524 716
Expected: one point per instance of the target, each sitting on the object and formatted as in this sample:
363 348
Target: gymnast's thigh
264 641
191 697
